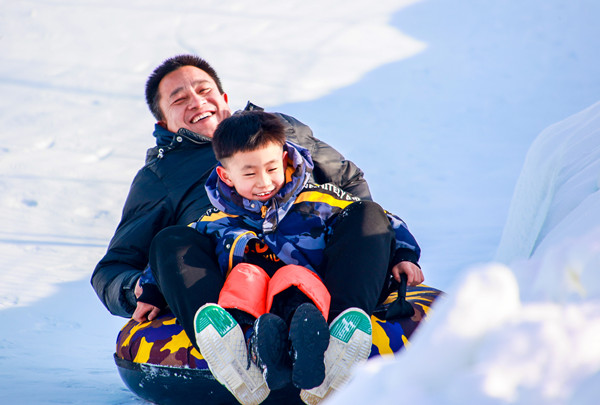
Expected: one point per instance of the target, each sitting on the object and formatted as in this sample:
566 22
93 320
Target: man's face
255 175
190 98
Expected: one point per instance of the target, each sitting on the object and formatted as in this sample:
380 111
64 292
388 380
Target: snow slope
437 100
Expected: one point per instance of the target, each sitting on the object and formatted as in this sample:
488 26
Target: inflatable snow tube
157 361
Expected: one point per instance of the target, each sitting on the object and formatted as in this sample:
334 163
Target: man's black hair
168 66
247 131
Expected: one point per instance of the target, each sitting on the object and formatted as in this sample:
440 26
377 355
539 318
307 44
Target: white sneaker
349 343
222 344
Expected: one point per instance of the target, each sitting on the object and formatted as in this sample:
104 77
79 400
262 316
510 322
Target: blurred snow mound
556 196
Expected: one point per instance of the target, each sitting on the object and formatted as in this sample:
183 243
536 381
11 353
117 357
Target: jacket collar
167 141
164 137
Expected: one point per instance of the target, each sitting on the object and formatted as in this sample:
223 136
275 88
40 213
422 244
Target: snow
561 176
476 122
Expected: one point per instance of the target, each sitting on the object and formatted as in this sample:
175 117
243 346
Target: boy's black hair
168 66
247 131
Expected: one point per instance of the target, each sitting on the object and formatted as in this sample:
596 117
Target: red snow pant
250 289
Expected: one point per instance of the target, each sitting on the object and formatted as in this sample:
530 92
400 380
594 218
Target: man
186 97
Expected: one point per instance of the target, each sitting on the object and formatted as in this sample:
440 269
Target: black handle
400 308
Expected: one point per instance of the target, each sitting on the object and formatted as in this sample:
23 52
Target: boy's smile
256 175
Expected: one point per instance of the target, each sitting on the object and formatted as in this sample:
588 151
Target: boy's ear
285 155
224 176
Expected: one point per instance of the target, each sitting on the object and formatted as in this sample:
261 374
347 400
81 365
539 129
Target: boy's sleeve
407 248
150 292
201 223
215 229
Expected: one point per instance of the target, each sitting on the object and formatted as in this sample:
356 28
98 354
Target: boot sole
272 347
309 336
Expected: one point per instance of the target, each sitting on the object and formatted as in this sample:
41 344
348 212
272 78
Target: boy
271 229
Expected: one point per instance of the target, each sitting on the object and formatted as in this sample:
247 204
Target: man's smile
202 116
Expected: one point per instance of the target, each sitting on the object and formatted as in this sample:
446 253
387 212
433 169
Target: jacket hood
227 200
163 136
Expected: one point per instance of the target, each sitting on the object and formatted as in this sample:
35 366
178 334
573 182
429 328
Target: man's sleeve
147 210
330 165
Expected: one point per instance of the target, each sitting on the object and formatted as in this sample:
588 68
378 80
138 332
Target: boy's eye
273 169
248 174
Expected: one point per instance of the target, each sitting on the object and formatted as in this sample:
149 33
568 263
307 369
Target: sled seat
157 361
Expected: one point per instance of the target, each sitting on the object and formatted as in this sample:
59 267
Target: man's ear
226 98
224 176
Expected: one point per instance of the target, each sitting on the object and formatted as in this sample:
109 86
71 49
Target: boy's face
255 175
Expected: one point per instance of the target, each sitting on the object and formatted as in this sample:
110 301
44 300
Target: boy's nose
264 180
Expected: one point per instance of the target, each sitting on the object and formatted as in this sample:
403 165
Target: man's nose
197 100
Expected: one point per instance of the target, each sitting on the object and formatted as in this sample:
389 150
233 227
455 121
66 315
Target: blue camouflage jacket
295 224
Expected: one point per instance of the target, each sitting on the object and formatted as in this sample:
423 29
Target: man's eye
178 100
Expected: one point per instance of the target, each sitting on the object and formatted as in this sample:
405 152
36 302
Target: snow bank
524 334
558 187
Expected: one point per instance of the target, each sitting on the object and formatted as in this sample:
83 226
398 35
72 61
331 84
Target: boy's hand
414 275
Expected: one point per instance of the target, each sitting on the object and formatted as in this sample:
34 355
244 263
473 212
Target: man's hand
414 275
143 311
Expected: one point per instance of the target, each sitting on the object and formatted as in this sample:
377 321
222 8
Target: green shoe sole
222 344
349 344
